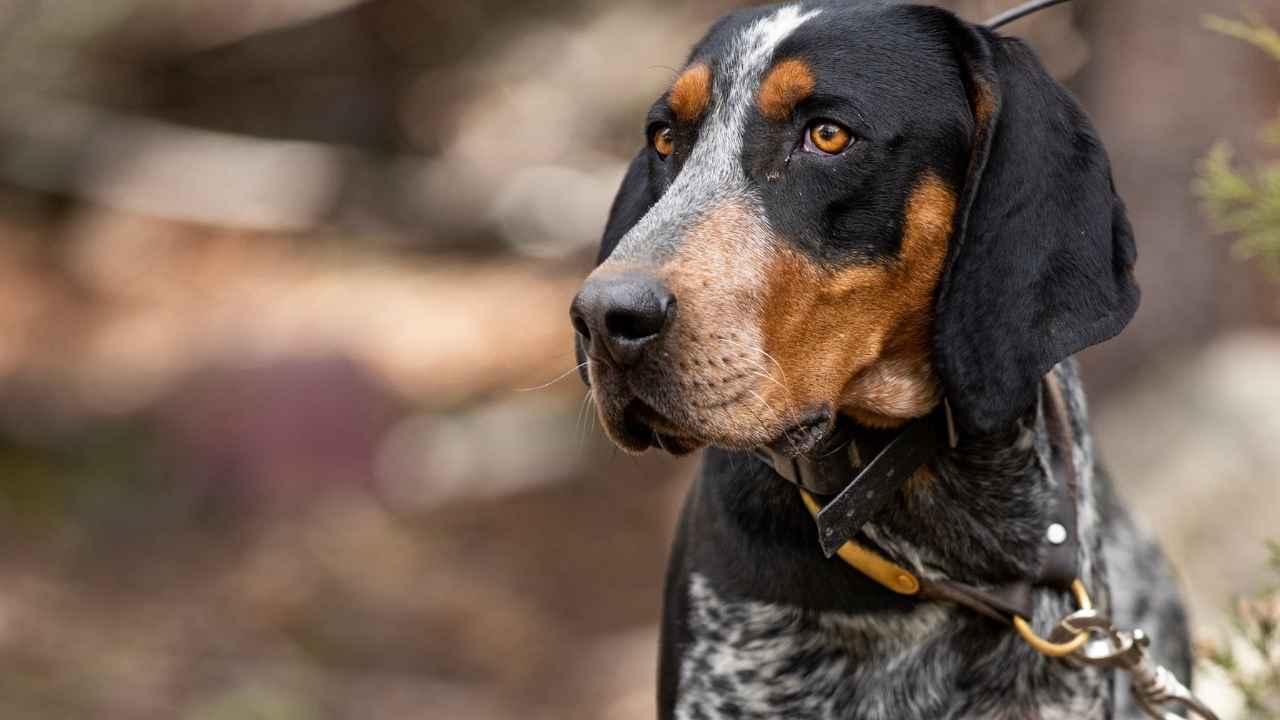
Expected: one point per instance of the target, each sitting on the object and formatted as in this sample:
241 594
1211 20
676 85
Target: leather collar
895 456
898 456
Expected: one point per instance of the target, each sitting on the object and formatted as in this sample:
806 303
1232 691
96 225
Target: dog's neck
757 607
975 514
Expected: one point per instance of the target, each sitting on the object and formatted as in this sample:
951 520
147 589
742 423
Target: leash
1020 12
1084 637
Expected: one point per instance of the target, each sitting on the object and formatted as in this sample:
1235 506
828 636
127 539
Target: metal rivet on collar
1056 534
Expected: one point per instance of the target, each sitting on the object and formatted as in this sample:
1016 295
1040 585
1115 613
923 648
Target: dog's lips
647 427
806 435
641 426
637 425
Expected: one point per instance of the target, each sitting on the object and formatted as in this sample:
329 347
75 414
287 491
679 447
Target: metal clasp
1100 644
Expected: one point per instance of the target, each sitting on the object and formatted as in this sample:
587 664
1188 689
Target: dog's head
857 208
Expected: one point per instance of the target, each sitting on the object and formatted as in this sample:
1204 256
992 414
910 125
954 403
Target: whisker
776 418
756 368
580 425
593 417
775 362
772 379
558 378
839 448
760 350
658 438
674 72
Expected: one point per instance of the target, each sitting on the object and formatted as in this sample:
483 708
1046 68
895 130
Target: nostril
580 326
635 323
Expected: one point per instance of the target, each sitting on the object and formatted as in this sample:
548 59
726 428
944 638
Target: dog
846 217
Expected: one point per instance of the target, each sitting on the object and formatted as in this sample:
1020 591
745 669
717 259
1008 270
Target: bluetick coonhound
846 217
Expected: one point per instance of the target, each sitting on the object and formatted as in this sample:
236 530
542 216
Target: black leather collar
895 456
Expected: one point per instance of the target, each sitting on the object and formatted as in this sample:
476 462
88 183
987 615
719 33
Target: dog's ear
1041 262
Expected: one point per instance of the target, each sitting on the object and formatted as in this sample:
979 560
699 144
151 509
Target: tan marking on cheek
798 325
787 84
860 337
691 93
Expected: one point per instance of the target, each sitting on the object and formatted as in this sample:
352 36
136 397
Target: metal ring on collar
1054 649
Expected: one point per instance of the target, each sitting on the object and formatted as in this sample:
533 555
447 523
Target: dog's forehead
882 49
741 46
735 57
818 25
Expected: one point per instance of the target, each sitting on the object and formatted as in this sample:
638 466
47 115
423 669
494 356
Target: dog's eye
663 139
827 137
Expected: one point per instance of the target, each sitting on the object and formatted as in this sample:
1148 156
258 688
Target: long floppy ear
1041 264
634 199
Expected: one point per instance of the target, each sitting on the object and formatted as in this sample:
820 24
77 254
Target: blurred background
283 305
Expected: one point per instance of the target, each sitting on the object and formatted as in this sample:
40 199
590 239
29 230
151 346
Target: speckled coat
759 625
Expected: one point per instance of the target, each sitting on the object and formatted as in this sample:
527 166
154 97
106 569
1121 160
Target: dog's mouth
807 435
702 396
643 427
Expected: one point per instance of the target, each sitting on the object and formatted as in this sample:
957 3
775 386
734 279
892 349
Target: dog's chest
749 660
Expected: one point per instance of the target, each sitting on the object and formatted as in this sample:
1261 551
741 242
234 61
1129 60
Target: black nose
618 316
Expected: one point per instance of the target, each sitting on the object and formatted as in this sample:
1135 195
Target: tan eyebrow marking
788 83
691 93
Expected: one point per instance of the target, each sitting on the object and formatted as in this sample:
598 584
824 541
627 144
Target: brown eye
664 141
829 137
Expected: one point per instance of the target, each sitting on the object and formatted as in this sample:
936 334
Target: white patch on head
713 174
